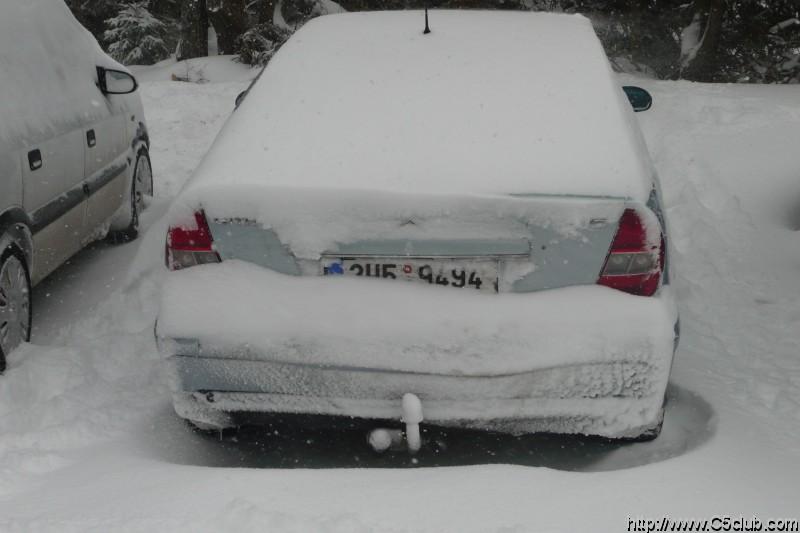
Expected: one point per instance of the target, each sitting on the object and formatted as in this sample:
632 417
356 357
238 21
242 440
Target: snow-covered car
467 219
74 159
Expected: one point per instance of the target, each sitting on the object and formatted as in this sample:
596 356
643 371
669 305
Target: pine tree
229 19
709 40
94 13
258 44
194 29
135 36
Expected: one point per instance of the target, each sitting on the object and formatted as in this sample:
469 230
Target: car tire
15 303
141 186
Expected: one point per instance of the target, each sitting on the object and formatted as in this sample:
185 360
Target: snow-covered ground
88 440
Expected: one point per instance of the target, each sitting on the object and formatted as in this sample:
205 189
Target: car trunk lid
537 242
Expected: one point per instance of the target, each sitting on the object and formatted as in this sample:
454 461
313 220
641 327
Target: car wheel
15 304
141 187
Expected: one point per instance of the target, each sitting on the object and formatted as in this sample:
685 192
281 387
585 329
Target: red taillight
634 262
190 244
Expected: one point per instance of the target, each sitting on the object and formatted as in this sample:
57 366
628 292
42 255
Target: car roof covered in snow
48 72
487 103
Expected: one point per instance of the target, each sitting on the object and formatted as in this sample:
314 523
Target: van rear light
190 244
634 263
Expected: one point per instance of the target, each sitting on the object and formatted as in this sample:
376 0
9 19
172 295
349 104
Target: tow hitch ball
382 439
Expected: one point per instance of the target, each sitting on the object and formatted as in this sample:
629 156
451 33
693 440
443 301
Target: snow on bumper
582 359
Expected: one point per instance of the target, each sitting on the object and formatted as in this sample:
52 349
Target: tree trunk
194 29
265 10
704 66
229 19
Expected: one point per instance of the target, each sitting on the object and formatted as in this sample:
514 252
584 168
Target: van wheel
15 304
141 187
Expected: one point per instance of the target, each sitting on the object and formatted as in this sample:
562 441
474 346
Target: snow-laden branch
691 40
785 24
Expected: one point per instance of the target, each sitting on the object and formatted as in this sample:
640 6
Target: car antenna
427 28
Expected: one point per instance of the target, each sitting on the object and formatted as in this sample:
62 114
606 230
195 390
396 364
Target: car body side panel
108 189
57 242
13 220
54 199
105 163
10 178
61 168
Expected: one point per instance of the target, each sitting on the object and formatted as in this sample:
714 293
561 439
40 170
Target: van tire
141 186
12 258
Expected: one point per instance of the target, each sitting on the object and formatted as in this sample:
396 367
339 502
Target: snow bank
366 101
728 161
84 389
748 149
48 63
182 119
212 69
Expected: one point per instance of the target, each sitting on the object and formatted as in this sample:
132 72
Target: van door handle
86 190
91 139
35 159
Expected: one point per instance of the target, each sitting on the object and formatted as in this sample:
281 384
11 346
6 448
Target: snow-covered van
73 151
460 227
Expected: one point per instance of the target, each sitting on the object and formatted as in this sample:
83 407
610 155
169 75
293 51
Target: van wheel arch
128 230
15 231
12 250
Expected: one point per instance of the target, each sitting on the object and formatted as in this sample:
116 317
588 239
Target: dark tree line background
704 40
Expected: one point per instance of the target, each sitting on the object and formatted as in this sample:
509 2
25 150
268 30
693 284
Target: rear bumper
610 399
606 417
586 360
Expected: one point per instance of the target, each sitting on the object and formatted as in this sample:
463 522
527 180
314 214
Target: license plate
468 273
